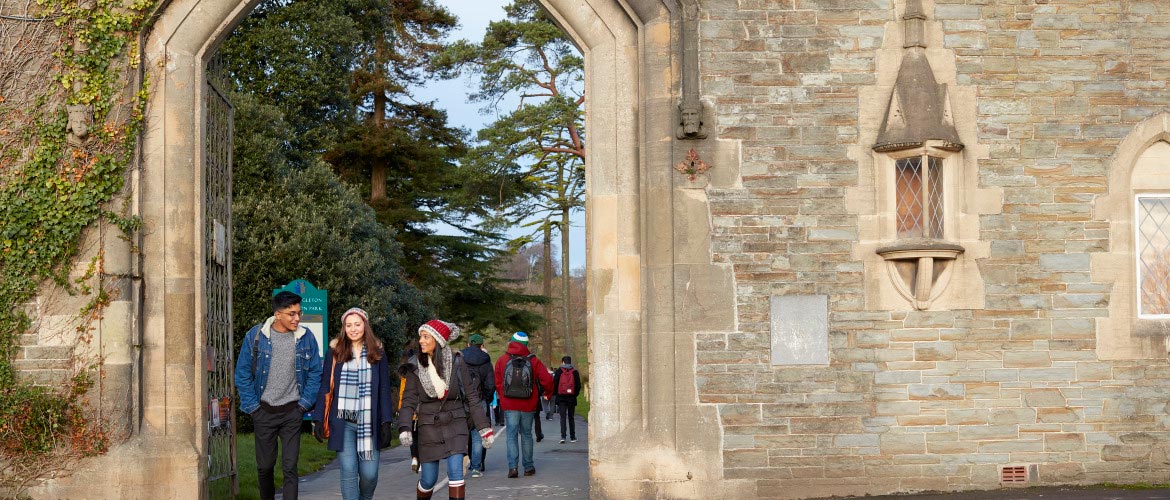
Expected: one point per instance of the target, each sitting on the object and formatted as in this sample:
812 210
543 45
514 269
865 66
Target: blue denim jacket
308 366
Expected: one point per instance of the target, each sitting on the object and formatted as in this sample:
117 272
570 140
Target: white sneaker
572 440
562 441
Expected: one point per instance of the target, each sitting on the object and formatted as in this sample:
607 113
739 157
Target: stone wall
937 398
1057 103
53 350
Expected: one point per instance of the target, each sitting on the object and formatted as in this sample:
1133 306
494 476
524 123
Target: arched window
1137 211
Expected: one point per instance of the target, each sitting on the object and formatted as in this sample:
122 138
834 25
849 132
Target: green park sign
314 309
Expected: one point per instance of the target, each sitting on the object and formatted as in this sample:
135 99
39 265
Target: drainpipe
690 124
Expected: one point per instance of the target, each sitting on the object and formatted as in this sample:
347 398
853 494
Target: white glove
489 437
405 439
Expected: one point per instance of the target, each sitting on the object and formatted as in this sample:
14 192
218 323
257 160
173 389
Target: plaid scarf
354 398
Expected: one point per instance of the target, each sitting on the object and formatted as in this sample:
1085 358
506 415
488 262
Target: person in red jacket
518 373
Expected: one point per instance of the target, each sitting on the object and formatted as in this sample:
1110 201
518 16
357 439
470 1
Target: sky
451 95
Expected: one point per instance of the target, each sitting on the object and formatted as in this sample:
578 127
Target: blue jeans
429 471
519 422
476 451
358 477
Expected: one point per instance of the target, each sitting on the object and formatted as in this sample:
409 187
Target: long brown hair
343 353
425 360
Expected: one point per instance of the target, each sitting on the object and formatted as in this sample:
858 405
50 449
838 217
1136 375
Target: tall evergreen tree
542 142
405 156
297 56
342 72
294 222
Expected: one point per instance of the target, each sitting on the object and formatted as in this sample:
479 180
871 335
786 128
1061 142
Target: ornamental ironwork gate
222 477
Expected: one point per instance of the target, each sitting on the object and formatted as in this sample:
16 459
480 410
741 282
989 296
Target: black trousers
567 410
273 424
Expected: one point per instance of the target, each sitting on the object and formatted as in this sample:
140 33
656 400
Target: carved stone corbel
920 271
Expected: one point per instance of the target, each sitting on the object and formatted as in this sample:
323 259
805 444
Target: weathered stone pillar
651 283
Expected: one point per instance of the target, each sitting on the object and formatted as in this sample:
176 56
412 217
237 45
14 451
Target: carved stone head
690 124
78 125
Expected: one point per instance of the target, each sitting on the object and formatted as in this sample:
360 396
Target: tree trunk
546 338
378 171
565 299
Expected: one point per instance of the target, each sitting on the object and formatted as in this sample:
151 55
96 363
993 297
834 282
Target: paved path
562 471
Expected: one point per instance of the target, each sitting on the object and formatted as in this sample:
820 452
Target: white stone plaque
800 329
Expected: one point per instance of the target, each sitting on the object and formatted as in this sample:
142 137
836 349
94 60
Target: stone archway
651 283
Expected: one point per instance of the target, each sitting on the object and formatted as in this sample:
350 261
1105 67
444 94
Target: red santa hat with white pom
442 331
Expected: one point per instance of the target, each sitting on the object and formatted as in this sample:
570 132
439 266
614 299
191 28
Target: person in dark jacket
479 363
441 395
519 412
407 364
566 397
356 404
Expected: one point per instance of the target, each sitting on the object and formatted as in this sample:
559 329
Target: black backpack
518 377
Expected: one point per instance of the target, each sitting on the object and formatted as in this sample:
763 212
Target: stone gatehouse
927 255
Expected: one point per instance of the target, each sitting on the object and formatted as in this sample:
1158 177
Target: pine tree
539 146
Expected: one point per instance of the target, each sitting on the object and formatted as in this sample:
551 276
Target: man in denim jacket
278 373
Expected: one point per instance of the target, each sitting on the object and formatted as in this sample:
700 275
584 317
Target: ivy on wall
74 150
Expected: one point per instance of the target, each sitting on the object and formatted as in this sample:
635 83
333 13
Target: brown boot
423 495
457 492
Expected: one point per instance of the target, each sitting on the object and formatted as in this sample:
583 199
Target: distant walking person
441 394
408 363
517 375
356 407
277 374
479 364
549 404
567 381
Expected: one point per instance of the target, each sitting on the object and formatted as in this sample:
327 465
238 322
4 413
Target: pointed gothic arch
648 262
1124 333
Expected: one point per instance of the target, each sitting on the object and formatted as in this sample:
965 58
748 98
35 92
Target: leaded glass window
1153 255
919 197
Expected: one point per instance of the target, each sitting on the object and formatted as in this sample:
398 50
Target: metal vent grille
1013 474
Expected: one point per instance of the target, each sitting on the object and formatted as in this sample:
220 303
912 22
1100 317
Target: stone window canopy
919 111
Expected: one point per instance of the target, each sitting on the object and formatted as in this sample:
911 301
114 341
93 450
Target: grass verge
313 456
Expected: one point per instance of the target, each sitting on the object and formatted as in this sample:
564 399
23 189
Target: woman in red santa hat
441 396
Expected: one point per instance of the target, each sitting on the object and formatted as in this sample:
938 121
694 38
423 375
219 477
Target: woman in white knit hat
441 396
355 406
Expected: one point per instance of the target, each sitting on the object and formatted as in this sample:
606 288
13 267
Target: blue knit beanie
520 337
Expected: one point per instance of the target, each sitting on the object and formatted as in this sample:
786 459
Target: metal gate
222 477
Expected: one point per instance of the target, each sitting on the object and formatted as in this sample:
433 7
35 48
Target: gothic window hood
919 110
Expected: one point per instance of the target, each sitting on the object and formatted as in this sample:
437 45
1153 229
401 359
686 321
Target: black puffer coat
442 423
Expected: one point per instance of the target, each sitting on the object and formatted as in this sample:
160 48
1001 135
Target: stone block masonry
934 399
